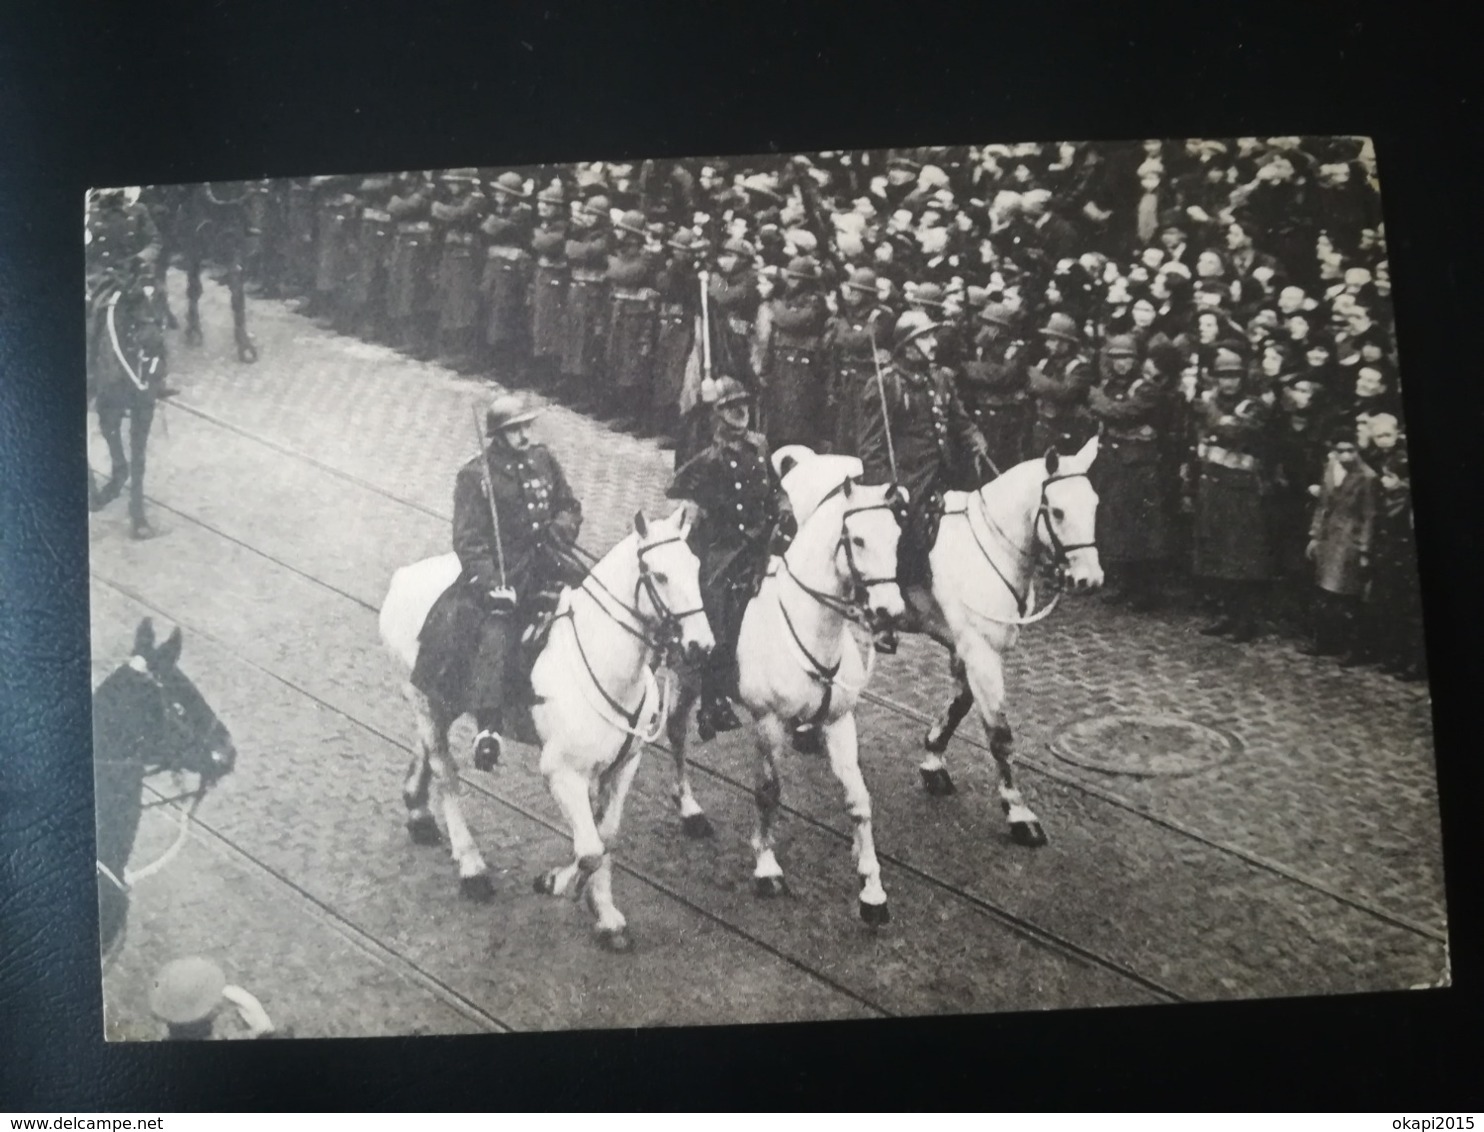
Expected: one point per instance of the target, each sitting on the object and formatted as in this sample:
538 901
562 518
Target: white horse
984 562
797 661
595 701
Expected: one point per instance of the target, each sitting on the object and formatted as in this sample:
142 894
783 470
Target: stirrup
488 748
884 641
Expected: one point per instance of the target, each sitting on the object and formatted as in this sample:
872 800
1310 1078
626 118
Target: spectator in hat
1339 547
1392 614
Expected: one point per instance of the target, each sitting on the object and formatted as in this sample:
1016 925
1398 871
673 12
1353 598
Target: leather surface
138 94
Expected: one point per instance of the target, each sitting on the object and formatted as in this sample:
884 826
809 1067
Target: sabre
502 597
705 279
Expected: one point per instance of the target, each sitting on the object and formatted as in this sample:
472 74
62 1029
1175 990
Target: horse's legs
247 351
767 875
474 881
612 927
570 789
841 744
421 824
693 819
986 677
193 297
140 418
934 773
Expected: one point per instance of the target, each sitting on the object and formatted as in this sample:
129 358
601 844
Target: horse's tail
789 456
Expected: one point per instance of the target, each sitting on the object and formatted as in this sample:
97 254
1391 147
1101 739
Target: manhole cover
1144 745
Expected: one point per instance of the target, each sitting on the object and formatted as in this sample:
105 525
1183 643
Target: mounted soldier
915 432
511 574
745 516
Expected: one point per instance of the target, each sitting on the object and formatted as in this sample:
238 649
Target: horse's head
670 582
1067 520
870 529
179 728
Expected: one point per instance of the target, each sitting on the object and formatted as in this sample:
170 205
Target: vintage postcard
754 589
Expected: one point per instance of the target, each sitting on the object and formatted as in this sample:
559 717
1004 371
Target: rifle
708 383
502 599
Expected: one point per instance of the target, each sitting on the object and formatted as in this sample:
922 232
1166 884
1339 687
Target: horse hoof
769 888
424 830
1027 833
697 826
937 782
935 740
616 940
477 888
875 914
141 531
541 884
247 352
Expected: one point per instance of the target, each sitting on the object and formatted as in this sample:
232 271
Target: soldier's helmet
187 991
1121 346
729 391
802 267
509 184
861 279
927 295
686 240
508 410
552 194
741 249
1062 326
998 314
1229 361
911 326
597 206
632 222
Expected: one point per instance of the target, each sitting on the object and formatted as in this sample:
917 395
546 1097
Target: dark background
131 94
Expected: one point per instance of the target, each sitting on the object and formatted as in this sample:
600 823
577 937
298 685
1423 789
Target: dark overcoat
851 342
584 337
1129 473
549 289
797 386
1231 537
633 321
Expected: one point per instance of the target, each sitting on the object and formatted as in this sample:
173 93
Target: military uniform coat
506 282
1129 474
797 388
1231 524
549 288
460 261
335 251
366 285
413 259
992 386
633 322
741 501
1059 386
851 342
678 285
466 655
1299 452
584 338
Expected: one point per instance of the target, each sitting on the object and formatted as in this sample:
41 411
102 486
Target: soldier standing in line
745 516
678 284
632 271
587 246
299 237
1059 384
1232 552
455 299
795 385
363 303
411 264
549 283
506 284
335 207
857 339
1132 406
992 385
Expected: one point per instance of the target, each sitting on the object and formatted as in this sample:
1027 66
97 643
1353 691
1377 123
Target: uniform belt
506 252
589 275
636 295
376 215
1226 458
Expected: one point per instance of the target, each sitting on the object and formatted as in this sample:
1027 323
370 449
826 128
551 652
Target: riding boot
1145 588
1244 615
488 745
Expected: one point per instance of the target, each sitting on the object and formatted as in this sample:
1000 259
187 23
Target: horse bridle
857 605
1060 551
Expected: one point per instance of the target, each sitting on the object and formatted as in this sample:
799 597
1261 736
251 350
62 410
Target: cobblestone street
1305 860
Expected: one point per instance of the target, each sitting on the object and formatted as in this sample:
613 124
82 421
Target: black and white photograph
852 584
